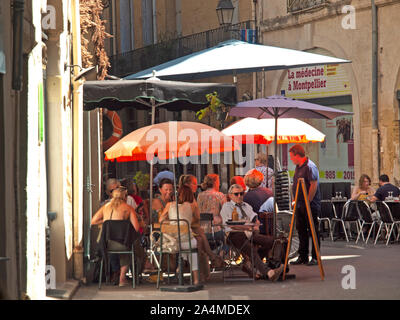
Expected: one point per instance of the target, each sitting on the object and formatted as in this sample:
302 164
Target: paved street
376 277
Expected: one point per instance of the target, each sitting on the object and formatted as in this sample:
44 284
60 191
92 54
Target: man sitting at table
240 235
383 191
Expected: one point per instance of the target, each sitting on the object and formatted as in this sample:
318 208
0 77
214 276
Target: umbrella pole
180 276
151 208
153 109
275 169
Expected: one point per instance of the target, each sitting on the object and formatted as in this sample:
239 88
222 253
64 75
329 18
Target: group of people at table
364 190
249 196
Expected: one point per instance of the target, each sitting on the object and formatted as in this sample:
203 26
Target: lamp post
225 10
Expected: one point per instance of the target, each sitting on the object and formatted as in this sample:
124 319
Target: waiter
307 170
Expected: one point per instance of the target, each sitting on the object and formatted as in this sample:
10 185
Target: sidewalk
376 277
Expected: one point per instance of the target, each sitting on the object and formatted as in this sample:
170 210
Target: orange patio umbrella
168 140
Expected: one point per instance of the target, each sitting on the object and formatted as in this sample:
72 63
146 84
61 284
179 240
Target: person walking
307 170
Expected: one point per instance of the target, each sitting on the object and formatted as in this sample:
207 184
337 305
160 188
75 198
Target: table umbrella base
287 277
189 288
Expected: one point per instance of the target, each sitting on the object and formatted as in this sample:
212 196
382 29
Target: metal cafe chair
325 215
387 220
206 223
349 215
111 231
366 219
337 209
168 230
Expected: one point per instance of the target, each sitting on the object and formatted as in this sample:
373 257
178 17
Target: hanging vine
93 32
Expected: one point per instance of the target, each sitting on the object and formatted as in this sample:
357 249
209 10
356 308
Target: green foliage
214 106
142 180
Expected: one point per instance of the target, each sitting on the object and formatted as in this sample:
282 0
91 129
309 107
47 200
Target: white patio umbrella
234 56
262 131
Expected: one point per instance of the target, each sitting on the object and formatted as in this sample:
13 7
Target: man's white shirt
226 214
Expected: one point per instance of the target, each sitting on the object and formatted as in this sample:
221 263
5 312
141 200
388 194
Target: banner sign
316 82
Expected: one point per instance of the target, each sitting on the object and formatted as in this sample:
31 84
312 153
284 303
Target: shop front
327 85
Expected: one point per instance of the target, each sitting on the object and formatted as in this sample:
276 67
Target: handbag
169 243
278 252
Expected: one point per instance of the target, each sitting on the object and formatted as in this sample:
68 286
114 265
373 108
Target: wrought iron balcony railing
301 5
134 61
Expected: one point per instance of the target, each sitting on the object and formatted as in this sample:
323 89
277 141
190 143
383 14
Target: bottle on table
235 215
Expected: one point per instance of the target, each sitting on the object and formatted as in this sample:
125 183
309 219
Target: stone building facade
341 28
344 29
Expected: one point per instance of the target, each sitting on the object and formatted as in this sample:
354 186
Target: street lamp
225 10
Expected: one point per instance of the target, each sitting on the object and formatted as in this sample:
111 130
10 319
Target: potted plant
216 106
142 181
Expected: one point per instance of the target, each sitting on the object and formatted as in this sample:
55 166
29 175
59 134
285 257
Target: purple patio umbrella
283 107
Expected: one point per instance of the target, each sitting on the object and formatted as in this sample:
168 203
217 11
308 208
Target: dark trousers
304 231
240 241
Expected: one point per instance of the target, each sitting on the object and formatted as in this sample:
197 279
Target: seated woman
160 200
364 189
189 211
256 195
202 242
211 200
118 209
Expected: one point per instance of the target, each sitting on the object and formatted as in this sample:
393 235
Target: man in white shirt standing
240 235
